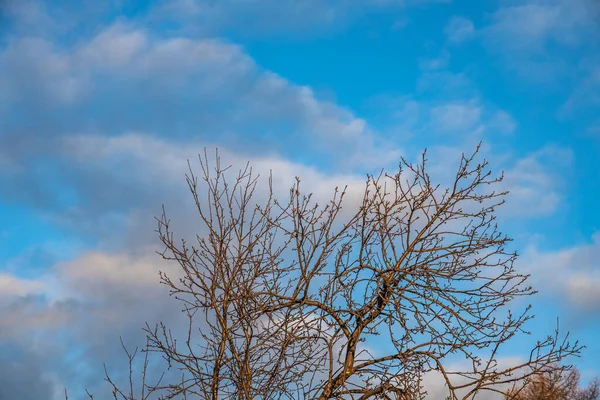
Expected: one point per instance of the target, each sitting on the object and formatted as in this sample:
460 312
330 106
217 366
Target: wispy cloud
571 273
285 17
533 25
532 36
535 182
459 29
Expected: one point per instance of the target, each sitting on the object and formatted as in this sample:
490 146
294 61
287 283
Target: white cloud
116 46
455 121
552 43
268 16
276 16
586 94
28 15
436 388
96 275
459 29
447 85
435 63
139 172
456 117
531 36
228 91
12 286
447 109
534 182
594 129
96 278
502 122
528 26
533 24
156 162
584 289
31 67
570 273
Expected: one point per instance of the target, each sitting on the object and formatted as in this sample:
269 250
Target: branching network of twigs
286 297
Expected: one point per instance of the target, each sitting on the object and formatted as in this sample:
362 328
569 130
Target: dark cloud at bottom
22 376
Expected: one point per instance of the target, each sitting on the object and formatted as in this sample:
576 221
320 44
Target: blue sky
101 103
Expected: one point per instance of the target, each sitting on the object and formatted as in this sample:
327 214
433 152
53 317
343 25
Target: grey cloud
571 273
58 330
155 171
191 92
171 87
22 376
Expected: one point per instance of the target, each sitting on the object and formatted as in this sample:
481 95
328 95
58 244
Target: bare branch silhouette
284 296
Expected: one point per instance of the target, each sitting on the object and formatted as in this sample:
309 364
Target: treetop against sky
102 103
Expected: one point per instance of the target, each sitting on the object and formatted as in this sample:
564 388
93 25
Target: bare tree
288 298
555 384
590 392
